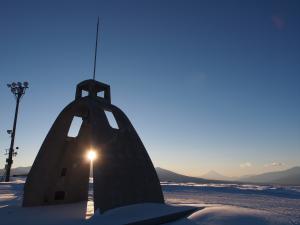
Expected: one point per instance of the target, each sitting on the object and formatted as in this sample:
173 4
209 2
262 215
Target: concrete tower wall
123 171
60 166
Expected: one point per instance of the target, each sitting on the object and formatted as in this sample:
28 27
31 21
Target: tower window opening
84 93
63 172
111 119
59 195
90 203
100 94
75 126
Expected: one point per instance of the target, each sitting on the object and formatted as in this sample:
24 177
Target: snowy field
227 204
283 202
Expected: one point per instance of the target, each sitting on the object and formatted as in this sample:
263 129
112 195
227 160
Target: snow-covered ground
281 202
229 204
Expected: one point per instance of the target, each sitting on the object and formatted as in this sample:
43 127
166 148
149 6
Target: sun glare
91 155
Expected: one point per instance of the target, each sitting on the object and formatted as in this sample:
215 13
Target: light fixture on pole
18 89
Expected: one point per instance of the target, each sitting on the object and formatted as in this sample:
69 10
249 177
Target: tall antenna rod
96 47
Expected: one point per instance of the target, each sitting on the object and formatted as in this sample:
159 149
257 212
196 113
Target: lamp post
18 89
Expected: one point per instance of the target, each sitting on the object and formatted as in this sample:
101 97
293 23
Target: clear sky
207 84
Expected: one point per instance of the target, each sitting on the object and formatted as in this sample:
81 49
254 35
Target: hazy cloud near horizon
274 164
246 165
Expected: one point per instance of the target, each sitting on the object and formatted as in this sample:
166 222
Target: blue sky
207 84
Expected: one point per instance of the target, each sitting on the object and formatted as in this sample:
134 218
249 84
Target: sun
91 155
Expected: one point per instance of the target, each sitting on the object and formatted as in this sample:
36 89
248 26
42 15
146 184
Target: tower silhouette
123 174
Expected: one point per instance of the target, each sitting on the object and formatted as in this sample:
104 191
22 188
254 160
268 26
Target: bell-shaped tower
123 172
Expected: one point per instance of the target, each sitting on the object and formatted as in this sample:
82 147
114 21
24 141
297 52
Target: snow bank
231 215
149 212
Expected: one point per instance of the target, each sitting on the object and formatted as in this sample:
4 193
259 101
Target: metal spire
96 47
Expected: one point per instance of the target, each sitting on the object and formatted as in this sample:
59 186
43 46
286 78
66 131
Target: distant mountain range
285 177
17 171
213 175
169 176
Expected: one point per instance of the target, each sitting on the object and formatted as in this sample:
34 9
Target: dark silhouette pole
18 89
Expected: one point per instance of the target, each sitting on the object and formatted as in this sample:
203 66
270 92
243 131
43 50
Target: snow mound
145 213
232 215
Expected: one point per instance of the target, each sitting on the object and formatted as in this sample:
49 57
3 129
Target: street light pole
18 89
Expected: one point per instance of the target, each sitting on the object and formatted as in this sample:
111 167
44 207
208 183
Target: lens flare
91 155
